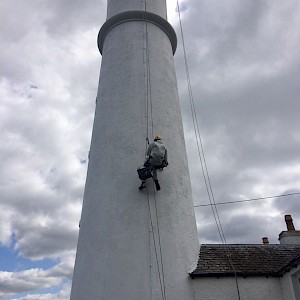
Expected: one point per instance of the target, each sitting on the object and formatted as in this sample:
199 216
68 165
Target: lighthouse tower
135 244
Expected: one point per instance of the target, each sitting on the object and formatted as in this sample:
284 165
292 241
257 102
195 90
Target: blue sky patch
11 261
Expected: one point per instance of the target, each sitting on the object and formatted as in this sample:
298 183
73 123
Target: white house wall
251 288
287 284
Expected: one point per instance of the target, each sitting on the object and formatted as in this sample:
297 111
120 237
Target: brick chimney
289 222
291 236
265 240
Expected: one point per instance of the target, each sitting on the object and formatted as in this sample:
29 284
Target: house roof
248 260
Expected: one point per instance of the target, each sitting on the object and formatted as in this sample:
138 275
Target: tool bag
144 172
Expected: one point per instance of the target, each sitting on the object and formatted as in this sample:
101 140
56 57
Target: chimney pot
289 222
265 240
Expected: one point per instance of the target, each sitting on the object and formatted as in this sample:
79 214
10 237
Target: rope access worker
156 158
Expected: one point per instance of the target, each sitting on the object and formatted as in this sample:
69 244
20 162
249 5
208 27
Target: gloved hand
165 164
146 163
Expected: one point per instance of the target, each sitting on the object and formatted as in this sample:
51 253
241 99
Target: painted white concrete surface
290 284
154 6
289 237
251 288
115 255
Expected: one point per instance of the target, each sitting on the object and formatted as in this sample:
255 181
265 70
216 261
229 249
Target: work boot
143 185
157 185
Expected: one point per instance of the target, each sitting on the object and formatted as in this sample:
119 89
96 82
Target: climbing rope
202 156
161 281
147 78
159 243
149 110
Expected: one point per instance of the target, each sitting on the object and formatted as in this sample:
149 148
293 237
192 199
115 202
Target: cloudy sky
245 74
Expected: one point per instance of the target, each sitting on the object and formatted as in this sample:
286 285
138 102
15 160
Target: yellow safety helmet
157 138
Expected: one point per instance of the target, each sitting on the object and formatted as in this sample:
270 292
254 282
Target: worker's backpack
157 155
144 172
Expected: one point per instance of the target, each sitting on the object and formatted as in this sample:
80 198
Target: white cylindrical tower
135 244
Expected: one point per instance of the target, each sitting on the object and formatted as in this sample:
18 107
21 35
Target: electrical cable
198 136
248 200
202 156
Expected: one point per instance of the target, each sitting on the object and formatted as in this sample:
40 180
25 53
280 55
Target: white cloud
31 280
63 294
19 282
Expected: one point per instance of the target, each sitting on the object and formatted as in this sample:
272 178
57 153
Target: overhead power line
247 200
